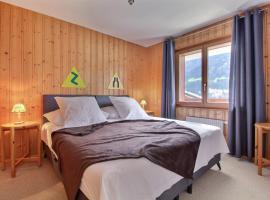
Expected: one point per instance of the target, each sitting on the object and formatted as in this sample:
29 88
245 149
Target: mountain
218 76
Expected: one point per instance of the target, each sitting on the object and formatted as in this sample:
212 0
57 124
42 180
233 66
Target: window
203 75
218 72
191 76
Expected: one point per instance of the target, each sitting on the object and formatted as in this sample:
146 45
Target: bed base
186 184
170 194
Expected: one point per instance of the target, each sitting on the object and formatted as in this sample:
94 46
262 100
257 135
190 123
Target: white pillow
80 111
111 112
128 108
55 117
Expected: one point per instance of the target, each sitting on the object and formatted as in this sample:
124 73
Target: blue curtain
247 92
168 80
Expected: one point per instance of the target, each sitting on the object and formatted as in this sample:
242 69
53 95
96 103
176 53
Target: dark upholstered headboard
49 103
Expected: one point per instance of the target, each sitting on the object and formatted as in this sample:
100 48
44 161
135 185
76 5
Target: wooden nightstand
260 130
149 112
12 128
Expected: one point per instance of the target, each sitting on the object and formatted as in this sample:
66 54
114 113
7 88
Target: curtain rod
242 15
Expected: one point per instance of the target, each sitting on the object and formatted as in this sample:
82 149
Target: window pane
191 76
218 71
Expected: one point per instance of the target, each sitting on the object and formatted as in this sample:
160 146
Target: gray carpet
238 180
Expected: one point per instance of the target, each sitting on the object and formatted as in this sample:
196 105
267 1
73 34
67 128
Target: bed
137 178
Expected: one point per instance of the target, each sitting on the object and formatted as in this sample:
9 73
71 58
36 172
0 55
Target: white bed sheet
135 179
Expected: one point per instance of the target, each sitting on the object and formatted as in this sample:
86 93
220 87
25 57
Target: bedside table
12 128
261 129
149 112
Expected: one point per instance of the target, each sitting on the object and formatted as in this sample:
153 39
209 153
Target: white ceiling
147 22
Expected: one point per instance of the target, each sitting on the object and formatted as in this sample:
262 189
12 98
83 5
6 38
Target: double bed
138 178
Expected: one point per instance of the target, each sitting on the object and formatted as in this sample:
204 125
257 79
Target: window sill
221 106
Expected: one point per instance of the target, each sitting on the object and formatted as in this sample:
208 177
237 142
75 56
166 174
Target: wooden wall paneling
153 78
27 71
5 33
137 79
80 56
125 72
99 78
37 71
118 67
5 45
115 60
124 68
140 80
65 55
129 69
132 70
122 74
119 64
56 42
111 63
38 51
219 30
27 65
150 72
73 51
158 78
128 74
87 59
48 55
93 61
106 64
220 114
37 66
142 65
266 41
77 54
16 59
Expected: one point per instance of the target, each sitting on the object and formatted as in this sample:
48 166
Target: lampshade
18 108
143 102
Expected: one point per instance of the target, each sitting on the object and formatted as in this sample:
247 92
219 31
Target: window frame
204 49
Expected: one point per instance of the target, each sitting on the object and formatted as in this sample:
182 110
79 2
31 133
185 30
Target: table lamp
143 103
18 108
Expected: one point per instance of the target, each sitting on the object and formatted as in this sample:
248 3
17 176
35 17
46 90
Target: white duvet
140 179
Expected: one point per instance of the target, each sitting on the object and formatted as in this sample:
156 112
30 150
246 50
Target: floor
238 180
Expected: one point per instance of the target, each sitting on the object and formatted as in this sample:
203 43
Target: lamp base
21 122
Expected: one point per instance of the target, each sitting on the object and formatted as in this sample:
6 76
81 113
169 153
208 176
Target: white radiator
213 122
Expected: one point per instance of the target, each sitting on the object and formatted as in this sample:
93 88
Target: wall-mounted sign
115 83
73 80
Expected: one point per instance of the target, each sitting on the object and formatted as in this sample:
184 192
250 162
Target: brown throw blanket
165 143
